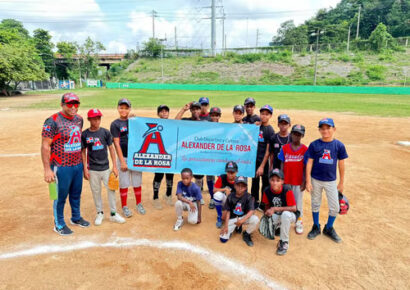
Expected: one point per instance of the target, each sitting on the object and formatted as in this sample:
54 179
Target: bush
358 58
282 56
343 57
209 75
248 57
376 72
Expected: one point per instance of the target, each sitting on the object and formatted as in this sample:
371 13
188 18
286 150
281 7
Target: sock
211 188
219 210
123 194
137 192
315 218
156 186
330 222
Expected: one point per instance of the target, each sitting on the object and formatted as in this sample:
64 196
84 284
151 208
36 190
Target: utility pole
348 39
318 32
257 37
154 14
213 28
246 32
358 22
175 37
223 30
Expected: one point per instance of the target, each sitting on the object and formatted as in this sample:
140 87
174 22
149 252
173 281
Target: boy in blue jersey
321 173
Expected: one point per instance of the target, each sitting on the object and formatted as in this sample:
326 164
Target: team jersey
325 156
251 119
65 133
97 144
239 206
223 182
206 117
266 134
293 163
275 146
282 198
191 192
119 129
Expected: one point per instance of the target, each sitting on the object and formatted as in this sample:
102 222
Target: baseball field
145 252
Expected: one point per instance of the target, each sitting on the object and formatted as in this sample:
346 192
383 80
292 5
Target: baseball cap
241 179
124 101
215 110
239 108
70 98
94 113
277 172
249 101
203 101
162 107
299 129
231 166
195 105
284 117
327 121
267 108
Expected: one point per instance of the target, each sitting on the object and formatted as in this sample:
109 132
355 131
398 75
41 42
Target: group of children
285 166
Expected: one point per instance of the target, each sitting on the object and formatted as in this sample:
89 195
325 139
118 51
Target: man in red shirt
280 206
62 161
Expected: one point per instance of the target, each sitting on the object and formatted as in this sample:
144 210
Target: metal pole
223 30
213 28
176 43
153 23
162 64
246 32
348 40
79 71
257 37
316 53
358 23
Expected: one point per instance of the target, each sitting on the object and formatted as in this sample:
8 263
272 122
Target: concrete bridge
103 59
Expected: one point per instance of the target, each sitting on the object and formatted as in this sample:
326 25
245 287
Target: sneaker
202 201
299 226
157 204
238 229
331 233
282 248
81 222
99 218
117 219
178 224
247 238
219 223
168 200
126 211
140 209
211 204
315 231
65 231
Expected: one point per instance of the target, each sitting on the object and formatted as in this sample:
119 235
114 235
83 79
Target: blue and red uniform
66 162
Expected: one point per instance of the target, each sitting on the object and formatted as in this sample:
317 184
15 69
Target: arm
119 153
308 178
182 111
303 185
85 165
342 175
242 220
113 159
198 203
224 230
45 157
283 208
259 172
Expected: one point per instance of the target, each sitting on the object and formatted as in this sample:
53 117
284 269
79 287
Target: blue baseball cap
284 117
327 121
203 101
276 172
267 108
239 108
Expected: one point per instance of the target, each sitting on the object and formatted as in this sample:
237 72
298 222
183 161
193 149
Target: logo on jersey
123 129
238 209
326 158
97 144
47 128
276 201
152 152
74 142
89 140
261 139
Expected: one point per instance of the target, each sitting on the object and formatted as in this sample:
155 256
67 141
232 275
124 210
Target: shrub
376 72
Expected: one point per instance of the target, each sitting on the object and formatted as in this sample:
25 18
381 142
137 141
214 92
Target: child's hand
239 222
115 170
340 187
86 174
187 106
258 123
269 212
259 172
227 190
192 206
124 166
199 220
308 186
303 186
224 230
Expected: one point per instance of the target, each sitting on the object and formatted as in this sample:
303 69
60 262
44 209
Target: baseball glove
113 183
267 228
343 203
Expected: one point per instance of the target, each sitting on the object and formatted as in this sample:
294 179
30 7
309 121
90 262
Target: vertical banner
168 146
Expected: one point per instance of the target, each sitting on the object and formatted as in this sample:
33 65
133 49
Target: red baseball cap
70 98
94 113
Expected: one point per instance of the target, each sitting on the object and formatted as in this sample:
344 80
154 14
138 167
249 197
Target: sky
126 24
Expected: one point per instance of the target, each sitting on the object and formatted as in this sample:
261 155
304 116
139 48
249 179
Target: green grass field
375 105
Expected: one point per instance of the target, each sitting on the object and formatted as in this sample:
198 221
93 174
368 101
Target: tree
289 34
14 25
380 38
398 18
153 47
42 41
88 55
67 51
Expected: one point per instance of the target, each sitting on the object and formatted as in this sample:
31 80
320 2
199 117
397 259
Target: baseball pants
96 177
298 194
332 195
284 221
180 206
129 177
69 184
252 224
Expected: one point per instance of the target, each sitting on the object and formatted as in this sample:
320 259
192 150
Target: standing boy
293 157
280 205
119 132
163 113
251 117
321 168
204 101
237 113
239 209
223 187
95 141
266 134
281 138
189 197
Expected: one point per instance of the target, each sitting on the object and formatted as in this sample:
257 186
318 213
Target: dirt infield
374 252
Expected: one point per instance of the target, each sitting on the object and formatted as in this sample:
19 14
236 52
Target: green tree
42 42
289 34
66 51
153 47
14 25
380 38
398 19
88 56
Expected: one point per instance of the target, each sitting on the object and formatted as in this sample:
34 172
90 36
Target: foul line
20 155
219 261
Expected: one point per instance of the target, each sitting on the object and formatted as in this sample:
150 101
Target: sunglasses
70 105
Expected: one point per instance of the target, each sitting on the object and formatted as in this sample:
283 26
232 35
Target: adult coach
61 156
